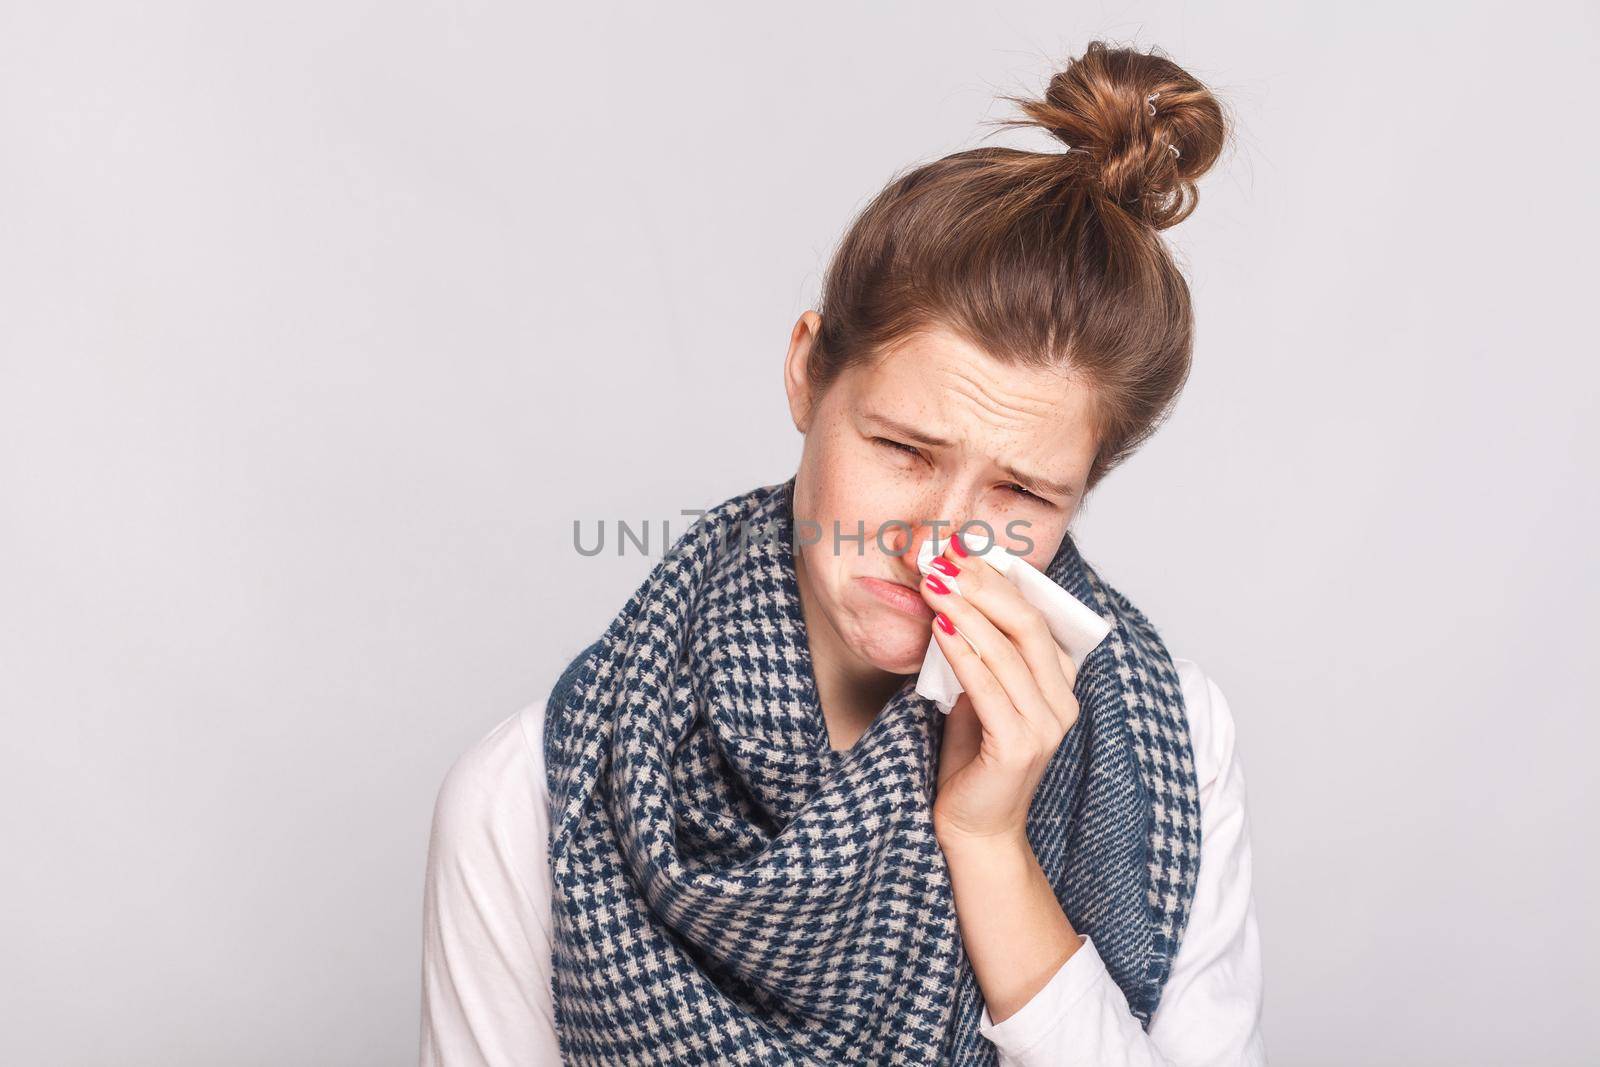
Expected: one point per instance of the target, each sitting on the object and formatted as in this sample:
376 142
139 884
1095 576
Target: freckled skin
991 413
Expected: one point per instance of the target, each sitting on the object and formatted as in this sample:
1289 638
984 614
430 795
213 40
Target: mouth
903 598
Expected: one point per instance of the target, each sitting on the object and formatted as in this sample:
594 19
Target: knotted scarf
730 889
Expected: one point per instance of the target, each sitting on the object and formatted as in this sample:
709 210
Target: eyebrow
1030 481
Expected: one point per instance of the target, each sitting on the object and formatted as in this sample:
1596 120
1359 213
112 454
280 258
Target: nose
928 532
942 512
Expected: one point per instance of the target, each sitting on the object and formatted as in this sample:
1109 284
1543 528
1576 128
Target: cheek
855 490
854 474
872 518
1033 540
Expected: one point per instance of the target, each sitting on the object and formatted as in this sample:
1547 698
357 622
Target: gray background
321 323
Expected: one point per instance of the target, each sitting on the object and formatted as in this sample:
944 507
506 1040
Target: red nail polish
936 585
942 564
955 543
944 622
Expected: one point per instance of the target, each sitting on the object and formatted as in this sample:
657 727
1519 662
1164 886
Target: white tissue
1076 627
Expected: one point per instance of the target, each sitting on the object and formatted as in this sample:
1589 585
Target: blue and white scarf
730 889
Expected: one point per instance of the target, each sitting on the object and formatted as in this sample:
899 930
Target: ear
801 340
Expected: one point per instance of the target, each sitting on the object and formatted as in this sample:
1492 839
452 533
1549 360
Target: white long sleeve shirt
486 966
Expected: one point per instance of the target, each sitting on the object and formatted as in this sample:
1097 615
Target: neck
851 690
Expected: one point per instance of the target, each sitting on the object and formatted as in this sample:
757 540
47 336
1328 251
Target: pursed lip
898 595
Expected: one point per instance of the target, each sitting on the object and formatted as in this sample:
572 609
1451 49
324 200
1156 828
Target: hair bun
1138 127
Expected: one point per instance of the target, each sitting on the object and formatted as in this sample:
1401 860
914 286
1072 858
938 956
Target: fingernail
955 542
944 565
936 585
944 622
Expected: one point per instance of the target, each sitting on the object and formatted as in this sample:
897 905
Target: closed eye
1030 493
902 447
897 446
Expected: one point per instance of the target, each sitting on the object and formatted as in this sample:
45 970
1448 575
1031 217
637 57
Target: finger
963 735
1051 669
996 713
1000 656
1003 604
1004 658
957 556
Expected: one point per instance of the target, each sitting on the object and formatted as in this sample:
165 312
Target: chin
897 644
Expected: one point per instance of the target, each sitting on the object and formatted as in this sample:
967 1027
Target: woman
736 833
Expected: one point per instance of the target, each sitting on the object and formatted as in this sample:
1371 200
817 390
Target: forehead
951 388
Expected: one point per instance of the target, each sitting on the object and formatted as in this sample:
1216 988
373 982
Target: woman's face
933 430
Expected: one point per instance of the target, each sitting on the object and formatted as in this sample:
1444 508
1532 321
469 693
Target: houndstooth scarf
730 889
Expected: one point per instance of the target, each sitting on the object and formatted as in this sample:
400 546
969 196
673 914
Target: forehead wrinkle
1006 406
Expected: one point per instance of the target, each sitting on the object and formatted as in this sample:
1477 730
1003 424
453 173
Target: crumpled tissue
1076 627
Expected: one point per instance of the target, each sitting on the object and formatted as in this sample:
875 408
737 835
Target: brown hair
1047 259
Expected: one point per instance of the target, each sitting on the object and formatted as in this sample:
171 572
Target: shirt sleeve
1210 1008
486 996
